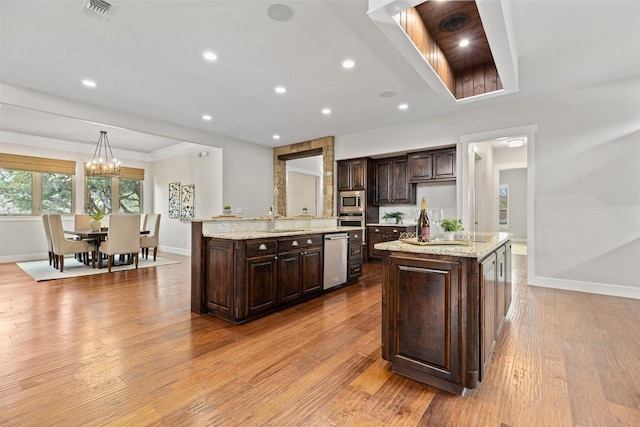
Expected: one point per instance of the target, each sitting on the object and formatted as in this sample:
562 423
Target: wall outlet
223 226
239 210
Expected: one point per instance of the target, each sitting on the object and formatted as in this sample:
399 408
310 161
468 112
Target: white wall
587 152
187 169
517 181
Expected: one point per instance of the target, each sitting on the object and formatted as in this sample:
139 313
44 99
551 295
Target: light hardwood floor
123 349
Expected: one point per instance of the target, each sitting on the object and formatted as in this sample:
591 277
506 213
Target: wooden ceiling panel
463 21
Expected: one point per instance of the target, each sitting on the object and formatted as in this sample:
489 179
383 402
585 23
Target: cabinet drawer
261 247
355 251
299 242
354 270
355 236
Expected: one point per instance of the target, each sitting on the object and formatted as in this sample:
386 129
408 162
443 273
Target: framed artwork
187 201
174 200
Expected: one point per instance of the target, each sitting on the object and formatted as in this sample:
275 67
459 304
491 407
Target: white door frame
463 189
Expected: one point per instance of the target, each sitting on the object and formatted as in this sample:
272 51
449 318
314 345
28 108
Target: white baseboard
589 287
24 257
172 250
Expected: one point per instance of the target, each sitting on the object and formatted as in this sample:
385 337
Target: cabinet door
420 317
401 187
219 278
344 175
358 174
487 310
384 177
421 167
444 165
500 285
373 238
312 270
507 278
261 284
289 275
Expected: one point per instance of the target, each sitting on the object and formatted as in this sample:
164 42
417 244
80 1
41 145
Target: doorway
466 187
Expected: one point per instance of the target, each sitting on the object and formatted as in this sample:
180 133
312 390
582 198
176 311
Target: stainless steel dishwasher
335 259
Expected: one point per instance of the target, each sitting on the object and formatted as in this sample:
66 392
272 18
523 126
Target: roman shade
37 164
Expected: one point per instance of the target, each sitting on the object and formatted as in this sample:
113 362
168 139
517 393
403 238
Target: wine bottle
424 230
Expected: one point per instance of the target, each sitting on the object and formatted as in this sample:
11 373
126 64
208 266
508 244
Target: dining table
96 237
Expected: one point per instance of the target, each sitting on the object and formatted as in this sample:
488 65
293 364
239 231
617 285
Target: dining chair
60 244
81 222
47 233
143 222
123 238
151 240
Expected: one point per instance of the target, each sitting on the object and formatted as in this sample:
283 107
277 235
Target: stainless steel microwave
351 201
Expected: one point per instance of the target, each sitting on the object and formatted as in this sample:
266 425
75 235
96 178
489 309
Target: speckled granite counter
480 245
238 228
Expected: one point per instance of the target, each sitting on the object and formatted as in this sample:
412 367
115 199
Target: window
35 185
115 195
130 196
503 205
16 192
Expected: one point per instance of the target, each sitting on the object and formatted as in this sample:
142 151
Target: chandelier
103 163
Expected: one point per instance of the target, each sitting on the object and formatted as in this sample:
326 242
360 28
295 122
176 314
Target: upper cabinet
352 174
433 165
392 182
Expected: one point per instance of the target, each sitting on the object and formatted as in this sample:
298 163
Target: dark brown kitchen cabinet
392 182
352 174
354 256
299 267
421 318
384 233
442 314
488 304
433 165
261 276
242 280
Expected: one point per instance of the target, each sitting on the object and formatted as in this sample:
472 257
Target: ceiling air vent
454 22
98 8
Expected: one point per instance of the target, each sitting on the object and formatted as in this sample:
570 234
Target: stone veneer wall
328 157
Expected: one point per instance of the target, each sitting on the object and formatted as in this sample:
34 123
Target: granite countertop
391 225
258 234
478 246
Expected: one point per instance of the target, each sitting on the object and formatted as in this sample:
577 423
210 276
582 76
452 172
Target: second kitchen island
443 308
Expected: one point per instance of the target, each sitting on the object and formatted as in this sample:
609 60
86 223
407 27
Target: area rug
41 270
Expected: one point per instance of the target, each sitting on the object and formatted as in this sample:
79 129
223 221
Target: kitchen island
243 269
443 308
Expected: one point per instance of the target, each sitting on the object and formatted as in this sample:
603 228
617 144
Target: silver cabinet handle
377 230
355 236
309 241
294 243
395 230
262 247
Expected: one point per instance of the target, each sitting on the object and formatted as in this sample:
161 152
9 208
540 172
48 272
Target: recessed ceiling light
276 136
513 143
280 89
206 117
403 106
209 56
326 111
348 63
89 83
464 43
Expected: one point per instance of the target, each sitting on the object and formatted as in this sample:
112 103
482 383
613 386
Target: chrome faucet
274 209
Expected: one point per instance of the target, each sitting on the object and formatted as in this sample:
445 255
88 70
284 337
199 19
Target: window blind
37 164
